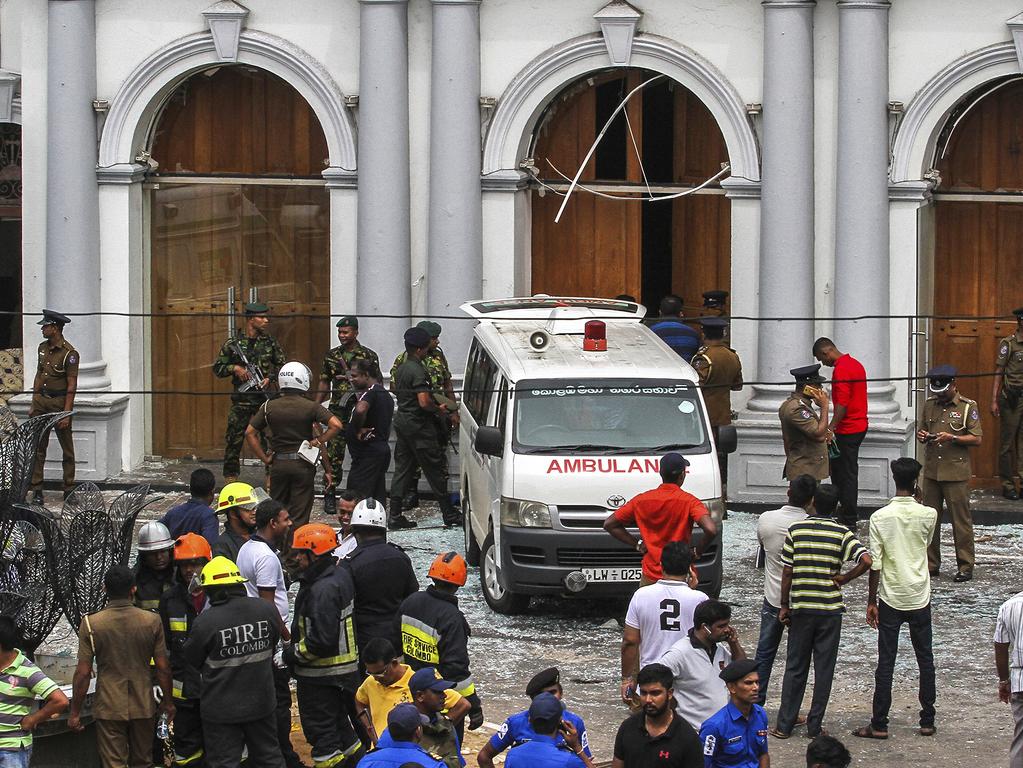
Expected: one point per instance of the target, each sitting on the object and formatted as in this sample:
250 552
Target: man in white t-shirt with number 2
659 614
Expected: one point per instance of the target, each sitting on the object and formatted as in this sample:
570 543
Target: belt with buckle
52 393
291 456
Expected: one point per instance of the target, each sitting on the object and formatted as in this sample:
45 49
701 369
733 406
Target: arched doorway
238 209
978 252
605 247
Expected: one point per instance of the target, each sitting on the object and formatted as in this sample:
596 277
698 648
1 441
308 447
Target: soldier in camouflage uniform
335 381
439 374
265 353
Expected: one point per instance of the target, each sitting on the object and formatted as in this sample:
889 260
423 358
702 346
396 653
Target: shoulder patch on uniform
72 358
974 414
709 745
1004 349
804 413
503 730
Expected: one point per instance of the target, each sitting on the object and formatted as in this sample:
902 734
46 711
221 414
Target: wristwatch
639 543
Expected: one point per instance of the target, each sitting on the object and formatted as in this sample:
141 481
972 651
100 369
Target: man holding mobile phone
805 432
542 751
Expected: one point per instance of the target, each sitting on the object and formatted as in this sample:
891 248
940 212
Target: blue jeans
15 758
889 623
771 631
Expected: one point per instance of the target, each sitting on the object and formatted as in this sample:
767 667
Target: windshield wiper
669 447
573 447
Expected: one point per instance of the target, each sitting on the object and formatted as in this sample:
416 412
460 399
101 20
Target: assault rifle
255 380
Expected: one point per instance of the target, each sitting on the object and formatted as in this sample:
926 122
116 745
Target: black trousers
188 744
816 637
282 718
889 623
368 474
324 715
845 474
225 741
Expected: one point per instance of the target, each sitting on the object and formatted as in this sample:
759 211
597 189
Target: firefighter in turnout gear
154 570
434 632
323 655
179 605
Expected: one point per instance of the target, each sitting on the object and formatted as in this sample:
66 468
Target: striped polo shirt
21 683
815 549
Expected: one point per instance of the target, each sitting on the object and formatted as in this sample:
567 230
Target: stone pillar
454 261
72 192
862 221
785 274
383 232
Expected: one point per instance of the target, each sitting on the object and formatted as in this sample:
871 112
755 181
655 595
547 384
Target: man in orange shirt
663 515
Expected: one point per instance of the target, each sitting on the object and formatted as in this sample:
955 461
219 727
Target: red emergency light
595 336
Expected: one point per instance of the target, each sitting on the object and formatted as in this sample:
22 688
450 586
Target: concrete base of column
98 424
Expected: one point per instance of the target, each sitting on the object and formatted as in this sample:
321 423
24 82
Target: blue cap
403 720
940 377
546 706
427 679
673 463
713 322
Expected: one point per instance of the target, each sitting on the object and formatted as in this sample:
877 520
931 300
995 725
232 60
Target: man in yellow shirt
387 685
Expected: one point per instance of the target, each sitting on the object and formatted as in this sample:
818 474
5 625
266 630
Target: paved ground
582 638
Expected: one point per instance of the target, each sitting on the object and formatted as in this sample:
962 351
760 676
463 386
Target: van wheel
472 547
498 598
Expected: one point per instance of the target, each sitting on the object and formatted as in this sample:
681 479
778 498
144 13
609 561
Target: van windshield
608 418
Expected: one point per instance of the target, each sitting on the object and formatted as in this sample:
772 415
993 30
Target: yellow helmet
236 495
220 572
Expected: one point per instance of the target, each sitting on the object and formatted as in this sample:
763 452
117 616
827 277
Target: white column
862 222
454 259
72 192
383 232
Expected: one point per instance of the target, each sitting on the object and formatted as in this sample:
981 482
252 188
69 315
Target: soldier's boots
451 515
37 498
395 519
411 500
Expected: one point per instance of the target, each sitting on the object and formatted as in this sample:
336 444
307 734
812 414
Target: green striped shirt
815 549
21 683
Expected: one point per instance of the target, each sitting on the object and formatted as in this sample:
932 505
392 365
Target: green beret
350 320
256 308
430 327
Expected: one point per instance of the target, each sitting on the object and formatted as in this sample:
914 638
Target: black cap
807 374
737 670
49 316
350 320
714 299
256 308
713 322
547 678
673 463
940 377
1018 312
417 337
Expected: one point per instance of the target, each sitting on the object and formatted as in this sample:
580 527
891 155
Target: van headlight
716 507
525 514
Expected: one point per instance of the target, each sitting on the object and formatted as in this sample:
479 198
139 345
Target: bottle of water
163 728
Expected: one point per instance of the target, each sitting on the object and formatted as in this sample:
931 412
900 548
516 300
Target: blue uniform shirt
393 754
679 336
732 741
542 752
193 516
517 730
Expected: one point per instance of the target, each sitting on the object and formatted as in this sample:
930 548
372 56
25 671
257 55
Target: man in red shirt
849 424
663 515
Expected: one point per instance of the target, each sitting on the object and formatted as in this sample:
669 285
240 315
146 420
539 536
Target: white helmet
294 375
154 536
369 513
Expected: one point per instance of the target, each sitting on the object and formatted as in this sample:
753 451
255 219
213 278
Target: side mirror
489 441
728 440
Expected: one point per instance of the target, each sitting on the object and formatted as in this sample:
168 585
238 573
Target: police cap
417 337
1018 312
256 308
940 377
713 322
737 670
348 320
545 679
50 316
714 299
807 374
430 327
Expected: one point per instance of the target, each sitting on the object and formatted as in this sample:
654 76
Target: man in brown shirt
720 372
806 434
291 419
1007 405
122 639
53 391
949 426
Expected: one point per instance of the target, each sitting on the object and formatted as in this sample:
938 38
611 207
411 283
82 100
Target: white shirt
663 614
699 692
258 563
1009 629
772 528
346 547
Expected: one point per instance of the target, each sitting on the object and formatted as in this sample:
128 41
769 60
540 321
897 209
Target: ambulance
568 405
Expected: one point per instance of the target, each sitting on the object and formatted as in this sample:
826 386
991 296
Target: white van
560 427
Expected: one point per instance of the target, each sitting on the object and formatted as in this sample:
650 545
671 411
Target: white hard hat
369 513
154 536
294 375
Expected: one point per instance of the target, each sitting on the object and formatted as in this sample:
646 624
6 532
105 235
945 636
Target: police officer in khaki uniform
53 391
804 431
1007 404
949 426
720 372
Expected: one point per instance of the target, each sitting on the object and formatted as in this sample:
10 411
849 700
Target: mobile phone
930 437
812 391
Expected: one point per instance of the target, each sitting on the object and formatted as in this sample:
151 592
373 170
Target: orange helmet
318 538
192 546
449 567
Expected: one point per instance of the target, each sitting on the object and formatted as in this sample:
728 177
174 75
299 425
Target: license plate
612 574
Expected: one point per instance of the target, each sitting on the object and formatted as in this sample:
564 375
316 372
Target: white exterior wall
926 37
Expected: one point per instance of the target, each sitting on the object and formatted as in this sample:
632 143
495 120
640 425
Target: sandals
866 732
927 730
779 734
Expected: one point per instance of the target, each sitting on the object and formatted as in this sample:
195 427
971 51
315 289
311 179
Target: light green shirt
899 535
